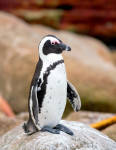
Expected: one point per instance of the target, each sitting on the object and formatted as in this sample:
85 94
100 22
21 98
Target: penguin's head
50 44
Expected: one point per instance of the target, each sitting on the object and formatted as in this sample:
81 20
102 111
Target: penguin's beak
68 48
64 47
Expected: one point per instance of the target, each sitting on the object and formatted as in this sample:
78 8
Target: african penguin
49 89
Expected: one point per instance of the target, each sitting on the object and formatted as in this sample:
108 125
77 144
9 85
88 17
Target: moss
71 28
47 3
49 17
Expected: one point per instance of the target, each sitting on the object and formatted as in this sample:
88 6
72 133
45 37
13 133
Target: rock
23 116
110 131
92 17
114 56
85 138
18 43
7 123
89 65
2 114
88 117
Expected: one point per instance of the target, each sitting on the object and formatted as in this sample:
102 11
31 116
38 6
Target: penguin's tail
25 128
29 128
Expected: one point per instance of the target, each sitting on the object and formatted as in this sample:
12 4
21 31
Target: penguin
50 89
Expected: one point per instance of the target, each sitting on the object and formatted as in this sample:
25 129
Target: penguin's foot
51 130
63 128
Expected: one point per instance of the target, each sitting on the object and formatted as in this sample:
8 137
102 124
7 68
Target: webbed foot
63 128
51 130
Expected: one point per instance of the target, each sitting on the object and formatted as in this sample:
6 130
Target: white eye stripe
51 39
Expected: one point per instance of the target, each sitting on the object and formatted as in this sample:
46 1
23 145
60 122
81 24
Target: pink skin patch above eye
55 42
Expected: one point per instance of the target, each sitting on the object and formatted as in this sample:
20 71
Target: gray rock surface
85 138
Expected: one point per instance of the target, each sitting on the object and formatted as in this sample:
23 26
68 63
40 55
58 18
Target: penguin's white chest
54 101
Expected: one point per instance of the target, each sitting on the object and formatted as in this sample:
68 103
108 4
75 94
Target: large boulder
92 17
18 49
114 56
89 65
88 117
85 138
111 131
8 123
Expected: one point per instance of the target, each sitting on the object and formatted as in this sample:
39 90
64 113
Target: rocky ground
84 138
85 117
89 65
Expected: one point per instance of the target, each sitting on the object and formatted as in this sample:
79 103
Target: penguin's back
54 101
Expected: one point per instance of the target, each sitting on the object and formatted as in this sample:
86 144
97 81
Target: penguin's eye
54 42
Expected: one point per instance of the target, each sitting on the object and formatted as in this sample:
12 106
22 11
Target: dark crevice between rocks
65 7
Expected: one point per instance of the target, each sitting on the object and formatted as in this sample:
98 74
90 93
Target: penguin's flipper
73 97
35 105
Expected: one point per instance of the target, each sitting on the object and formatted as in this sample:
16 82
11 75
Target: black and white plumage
50 89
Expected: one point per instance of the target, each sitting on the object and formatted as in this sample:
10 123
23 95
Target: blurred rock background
91 65
96 18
